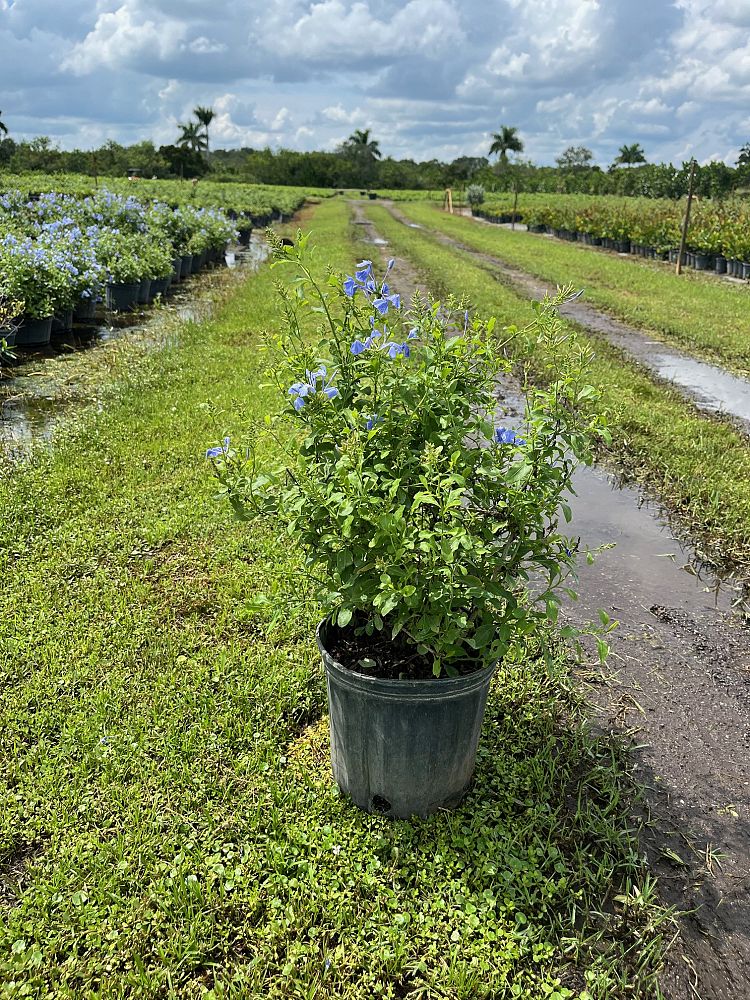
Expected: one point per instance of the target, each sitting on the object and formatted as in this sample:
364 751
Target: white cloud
204 46
429 77
119 36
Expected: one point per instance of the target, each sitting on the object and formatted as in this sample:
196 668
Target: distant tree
574 158
629 156
505 141
205 116
36 154
364 152
3 126
192 137
360 139
182 161
7 149
464 168
743 160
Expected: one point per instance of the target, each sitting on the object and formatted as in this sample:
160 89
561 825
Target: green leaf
344 617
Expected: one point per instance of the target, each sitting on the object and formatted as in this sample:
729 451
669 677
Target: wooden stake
686 220
448 200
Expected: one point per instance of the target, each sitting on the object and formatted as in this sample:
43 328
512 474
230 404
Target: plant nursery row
257 200
62 254
718 237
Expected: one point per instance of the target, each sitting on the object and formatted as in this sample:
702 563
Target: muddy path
710 387
678 686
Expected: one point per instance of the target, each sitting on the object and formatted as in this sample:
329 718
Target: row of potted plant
718 237
61 255
261 202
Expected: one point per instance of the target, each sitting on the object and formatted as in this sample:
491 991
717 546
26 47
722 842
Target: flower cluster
379 295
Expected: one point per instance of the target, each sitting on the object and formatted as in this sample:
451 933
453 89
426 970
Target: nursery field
169 826
252 199
698 467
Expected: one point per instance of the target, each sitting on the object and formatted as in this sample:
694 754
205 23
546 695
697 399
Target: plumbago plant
416 516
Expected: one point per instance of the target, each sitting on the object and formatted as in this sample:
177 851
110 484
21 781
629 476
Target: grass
168 823
699 467
702 314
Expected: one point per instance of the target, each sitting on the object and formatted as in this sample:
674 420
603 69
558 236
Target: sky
430 78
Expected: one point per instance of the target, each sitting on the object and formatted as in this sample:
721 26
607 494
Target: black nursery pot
403 747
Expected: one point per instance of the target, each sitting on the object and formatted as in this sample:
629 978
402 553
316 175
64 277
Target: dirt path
709 387
678 682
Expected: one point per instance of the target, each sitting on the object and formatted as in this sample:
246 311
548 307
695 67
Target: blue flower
301 390
395 349
382 303
364 279
222 450
373 421
503 435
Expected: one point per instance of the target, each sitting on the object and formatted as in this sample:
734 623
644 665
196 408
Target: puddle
46 384
251 255
710 387
648 565
714 389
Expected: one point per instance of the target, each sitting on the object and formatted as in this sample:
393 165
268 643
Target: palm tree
630 155
505 140
205 116
192 137
3 126
361 144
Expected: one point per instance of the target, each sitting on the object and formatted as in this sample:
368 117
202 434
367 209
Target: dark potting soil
378 655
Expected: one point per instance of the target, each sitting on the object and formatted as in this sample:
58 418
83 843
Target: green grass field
169 826
700 313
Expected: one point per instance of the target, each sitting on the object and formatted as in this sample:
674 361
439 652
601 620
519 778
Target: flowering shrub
34 275
414 513
57 249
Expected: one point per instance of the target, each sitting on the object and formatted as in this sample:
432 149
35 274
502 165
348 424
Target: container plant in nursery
430 534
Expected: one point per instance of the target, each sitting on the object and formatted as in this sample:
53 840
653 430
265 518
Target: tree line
359 163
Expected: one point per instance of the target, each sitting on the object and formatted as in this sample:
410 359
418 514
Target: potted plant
474 196
32 276
121 256
430 533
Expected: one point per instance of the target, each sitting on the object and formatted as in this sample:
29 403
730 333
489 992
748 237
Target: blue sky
431 78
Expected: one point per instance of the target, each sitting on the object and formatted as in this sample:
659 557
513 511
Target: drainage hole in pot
381 805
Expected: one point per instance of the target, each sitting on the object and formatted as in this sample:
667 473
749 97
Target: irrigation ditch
677 685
